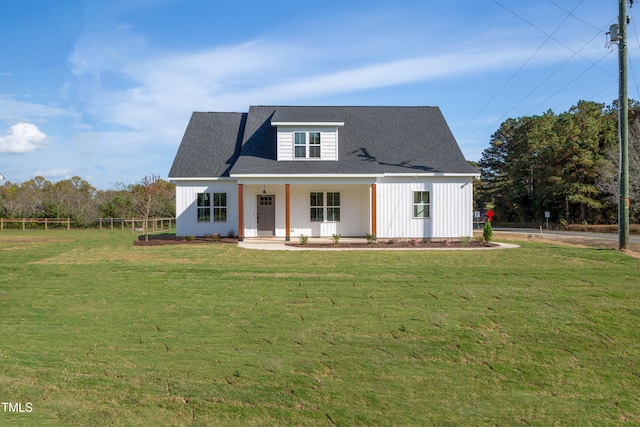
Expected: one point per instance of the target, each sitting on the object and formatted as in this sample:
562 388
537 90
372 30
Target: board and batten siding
187 213
328 142
451 208
355 211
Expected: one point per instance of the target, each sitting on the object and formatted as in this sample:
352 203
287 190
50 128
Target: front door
266 215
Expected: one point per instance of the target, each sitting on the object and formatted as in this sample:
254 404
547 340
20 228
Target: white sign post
547 215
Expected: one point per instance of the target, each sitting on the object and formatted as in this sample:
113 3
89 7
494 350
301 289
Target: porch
318 209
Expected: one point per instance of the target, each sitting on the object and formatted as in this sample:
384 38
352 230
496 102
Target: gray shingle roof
373 140
210 145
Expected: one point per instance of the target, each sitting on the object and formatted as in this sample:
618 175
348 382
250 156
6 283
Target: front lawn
96 331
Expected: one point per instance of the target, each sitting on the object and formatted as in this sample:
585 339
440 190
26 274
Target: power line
519 69
574 16
549 36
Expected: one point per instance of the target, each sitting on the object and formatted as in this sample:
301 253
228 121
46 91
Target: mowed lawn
95 331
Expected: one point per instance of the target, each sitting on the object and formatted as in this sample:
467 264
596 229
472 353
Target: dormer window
300 141
307 145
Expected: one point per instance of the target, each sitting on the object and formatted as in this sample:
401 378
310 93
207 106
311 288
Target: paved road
576 234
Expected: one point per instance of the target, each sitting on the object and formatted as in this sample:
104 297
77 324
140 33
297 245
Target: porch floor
279 244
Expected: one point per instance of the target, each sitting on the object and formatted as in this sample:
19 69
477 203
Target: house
286 171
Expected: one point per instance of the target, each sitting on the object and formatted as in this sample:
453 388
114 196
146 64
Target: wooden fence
134 224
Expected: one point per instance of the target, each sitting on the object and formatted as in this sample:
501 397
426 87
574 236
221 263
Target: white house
286 171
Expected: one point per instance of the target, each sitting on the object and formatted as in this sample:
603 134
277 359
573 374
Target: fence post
68 223
46 224
112 223
133 224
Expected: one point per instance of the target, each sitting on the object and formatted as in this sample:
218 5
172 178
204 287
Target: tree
147 198
549 163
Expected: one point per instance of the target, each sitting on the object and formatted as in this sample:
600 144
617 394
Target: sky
104 89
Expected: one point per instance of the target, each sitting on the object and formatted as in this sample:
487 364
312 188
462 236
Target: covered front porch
288 208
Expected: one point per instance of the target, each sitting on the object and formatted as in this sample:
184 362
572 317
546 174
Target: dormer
304 141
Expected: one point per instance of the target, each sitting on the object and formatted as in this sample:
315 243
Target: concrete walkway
279 244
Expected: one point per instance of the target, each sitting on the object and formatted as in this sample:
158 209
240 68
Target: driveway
551 234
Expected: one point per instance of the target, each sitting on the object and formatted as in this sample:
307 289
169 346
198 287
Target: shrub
487 233
304 239
336 238
371 238
190 238
231 234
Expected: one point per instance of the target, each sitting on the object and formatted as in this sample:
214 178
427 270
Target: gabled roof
210 145
373 140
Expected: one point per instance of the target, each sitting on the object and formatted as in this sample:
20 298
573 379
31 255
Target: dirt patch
172 239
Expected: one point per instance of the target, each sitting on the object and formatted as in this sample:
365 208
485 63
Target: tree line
566 164
79 201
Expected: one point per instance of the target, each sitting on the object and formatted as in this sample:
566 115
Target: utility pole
623 130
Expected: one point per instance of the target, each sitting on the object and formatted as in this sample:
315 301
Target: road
575 234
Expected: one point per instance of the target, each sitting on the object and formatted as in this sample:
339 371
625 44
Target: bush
487 233
336 238
304 239
371 238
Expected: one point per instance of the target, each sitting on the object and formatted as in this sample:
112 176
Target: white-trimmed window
212 206
421 204
316 202
220 207
306 145
318 207
204 207
333 206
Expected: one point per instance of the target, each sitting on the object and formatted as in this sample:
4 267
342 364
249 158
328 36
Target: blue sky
104 89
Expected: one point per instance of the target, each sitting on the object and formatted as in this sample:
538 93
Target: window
318 206
333 206
208 201
306 145
204 207
220 207
421 204
300 145
314 144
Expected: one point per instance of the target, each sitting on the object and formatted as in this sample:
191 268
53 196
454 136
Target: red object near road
490 214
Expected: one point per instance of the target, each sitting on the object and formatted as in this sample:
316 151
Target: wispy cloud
63 173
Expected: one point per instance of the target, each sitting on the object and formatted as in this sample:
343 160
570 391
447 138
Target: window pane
301 151
317 199
219 199
204 214
333 214
300 138
314 151
333 199
420 197
203 199
421 204
317 214
314 138
220 214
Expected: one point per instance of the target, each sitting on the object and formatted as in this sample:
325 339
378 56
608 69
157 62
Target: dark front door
266 215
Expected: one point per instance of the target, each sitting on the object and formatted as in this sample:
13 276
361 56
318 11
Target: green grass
95 331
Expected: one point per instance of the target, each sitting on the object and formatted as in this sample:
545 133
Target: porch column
288 211
373 209
240 213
